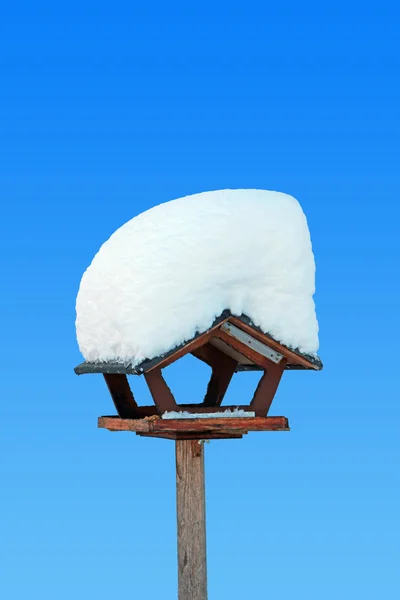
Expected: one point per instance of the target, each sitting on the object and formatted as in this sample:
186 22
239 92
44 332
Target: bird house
232 344
146 293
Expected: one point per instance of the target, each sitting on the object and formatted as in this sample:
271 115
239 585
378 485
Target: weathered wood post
191 518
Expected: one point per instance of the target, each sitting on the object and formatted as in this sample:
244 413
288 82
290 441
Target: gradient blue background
105 113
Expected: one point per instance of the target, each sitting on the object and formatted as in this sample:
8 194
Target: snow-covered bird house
225 276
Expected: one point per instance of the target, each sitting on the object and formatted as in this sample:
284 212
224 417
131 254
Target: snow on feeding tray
227 414
169 272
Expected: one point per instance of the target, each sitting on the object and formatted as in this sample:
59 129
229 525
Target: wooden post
191 512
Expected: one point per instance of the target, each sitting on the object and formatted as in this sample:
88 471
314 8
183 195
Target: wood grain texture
214 428
191 520
292 357
165 435
223 369
266 389
162 395
249 353
209 354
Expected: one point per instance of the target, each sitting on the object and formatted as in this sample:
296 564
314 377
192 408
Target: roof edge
114 367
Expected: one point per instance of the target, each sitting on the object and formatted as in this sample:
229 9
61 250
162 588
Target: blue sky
105 113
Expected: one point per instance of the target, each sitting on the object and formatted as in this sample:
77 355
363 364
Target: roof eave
303 362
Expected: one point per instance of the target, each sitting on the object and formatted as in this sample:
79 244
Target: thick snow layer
239 412
170 271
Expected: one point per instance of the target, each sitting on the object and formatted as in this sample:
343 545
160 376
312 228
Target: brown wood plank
194 436
116 424
215 424
162 395
292 357
122 396
219 382
223 369
212 425
222 435
249 353
191 519
266 389
208 354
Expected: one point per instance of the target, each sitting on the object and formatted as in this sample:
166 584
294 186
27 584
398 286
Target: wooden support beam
191 520
220 379
162 395
266 389
122 396
223 369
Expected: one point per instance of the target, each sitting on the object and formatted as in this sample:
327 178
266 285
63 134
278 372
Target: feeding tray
196 428
230 345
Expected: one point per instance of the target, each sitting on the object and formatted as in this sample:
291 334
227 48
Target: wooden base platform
194 429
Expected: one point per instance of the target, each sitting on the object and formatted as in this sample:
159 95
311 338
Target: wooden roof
220 336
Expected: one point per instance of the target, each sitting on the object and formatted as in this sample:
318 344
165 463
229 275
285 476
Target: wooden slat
122 396
229 351
116 424
212 425
194 435
292 357
215 424
223 369
249 353
266 389
162 395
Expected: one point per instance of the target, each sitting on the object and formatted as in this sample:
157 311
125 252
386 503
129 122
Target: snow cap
169 272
